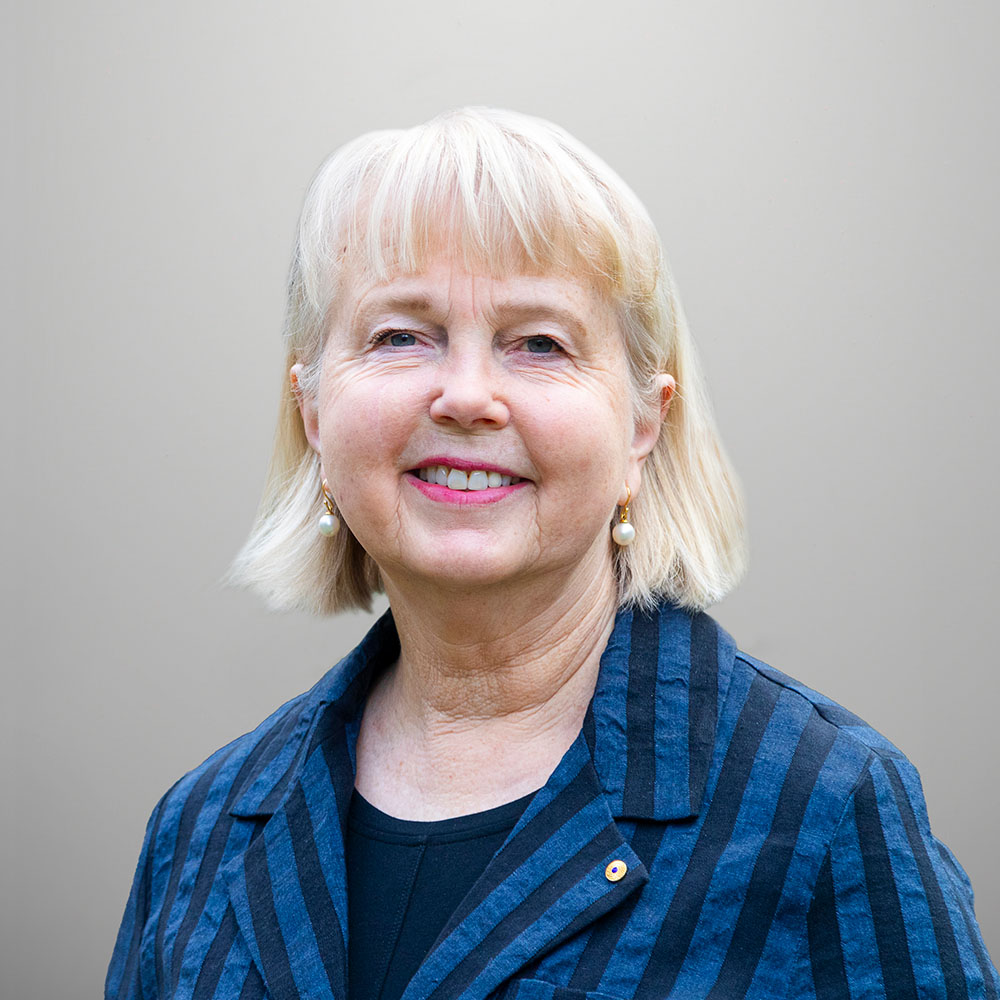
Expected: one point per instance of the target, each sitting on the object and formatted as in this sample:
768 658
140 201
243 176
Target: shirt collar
650 726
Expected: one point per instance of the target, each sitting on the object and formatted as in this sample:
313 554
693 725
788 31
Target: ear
647 432
307 407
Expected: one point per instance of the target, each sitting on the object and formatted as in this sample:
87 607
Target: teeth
456 479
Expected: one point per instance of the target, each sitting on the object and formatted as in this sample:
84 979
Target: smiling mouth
459 479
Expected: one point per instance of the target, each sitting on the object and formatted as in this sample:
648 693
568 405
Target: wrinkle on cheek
399 534
345 383
594 378
356 372
536 534
364 439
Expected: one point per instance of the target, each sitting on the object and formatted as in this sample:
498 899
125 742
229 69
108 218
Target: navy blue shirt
404 880
716 830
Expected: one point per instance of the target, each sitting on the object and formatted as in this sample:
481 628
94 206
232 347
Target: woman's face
515 389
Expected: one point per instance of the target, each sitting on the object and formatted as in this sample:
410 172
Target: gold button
615 871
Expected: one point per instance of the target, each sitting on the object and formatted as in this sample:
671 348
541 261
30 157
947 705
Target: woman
547 773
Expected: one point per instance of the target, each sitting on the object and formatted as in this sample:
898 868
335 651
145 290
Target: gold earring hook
328 498
623 512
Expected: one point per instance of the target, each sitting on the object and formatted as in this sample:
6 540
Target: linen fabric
404 880
776 846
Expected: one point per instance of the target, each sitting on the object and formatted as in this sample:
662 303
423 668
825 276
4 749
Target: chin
453 565
469 574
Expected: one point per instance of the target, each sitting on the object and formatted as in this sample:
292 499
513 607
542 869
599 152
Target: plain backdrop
824 177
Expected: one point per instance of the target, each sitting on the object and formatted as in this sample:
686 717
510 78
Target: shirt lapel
644 754
288 892
550 879
663 677
288 889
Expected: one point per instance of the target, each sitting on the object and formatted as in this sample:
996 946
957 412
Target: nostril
469 409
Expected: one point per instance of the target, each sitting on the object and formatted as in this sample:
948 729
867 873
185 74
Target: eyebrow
406 303
511 308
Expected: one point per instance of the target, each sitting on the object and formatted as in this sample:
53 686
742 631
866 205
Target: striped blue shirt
773 845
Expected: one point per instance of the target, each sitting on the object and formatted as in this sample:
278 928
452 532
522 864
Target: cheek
587 436
362 426
596 417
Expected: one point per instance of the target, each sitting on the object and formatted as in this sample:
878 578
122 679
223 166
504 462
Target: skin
503 609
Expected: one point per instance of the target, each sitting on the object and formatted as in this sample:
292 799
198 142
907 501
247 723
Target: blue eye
540 345
397 338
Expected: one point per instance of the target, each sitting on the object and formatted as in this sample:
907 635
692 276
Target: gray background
824 178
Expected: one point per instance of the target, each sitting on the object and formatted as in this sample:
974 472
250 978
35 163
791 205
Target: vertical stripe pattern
768 878
890 929
678 927
774 845
825 950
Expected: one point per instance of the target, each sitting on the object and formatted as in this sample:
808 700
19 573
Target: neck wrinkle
457 672
460 725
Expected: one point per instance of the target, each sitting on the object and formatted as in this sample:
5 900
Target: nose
468 393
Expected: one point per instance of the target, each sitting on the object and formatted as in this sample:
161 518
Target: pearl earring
329 523
623 533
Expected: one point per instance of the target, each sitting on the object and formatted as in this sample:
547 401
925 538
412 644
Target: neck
488 656
490 690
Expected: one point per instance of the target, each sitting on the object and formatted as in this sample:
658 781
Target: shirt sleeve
892 912
124 979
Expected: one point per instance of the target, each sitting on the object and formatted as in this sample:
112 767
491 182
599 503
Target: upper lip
466 465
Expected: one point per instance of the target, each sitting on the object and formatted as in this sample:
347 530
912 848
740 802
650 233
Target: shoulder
209 817
788 752
844 721
232 769
252 772
240 779
767 716
190 834
850 755
249 776
823 756
885 902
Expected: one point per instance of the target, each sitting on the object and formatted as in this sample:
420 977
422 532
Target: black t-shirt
404 880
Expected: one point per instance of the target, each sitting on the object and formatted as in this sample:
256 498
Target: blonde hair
510 194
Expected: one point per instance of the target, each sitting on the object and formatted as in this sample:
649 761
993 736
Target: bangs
504 197
504 194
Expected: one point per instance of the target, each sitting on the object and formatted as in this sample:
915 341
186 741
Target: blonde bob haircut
505 193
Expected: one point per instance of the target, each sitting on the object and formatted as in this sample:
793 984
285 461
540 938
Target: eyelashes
539 344
394 338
